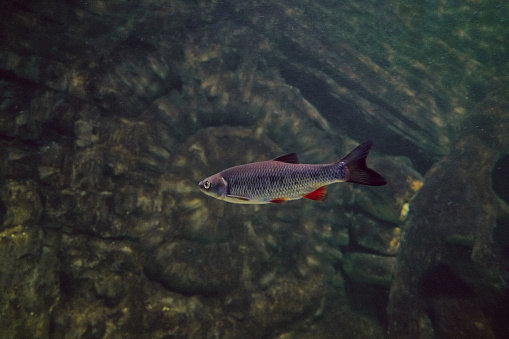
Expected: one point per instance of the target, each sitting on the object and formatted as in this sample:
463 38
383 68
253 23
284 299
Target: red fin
318 194
279 200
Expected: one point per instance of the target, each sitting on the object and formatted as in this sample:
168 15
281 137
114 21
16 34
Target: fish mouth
201 185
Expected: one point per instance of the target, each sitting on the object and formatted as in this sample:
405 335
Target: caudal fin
357 169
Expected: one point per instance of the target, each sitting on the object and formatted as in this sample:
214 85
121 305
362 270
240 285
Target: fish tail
356 169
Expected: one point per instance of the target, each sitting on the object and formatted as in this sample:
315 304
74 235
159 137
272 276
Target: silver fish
285 178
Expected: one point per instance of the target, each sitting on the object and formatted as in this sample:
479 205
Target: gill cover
214 186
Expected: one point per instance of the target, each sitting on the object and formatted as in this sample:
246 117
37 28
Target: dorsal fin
290 158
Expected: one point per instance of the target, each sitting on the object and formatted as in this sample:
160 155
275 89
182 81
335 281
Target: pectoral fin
237 197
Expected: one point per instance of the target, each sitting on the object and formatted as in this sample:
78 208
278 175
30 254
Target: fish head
215 186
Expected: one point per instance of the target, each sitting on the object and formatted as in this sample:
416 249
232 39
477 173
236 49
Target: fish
285 178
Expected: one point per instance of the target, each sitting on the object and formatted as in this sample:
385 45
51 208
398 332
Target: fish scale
284 178
274 180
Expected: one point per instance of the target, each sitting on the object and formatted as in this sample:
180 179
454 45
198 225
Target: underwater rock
247 97
408 100
100 283
27 108
92 256
104 134
19 164
18 243
338 322
138 77
369 268
115 173
459 315
29 285
164 312
390 202
340 74
376 235
52 166
194 268
101 287
454 216
287 299
22 202
84 131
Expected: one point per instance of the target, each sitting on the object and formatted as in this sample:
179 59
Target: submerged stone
454 216
111 112
22 202
376 235
287 299
193 268
29 285
369 268
390 202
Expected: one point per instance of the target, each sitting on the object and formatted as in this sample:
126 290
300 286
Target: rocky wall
112 112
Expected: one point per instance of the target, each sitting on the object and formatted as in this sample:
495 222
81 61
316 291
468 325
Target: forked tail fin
357 170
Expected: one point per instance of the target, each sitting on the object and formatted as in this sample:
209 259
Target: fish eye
206 185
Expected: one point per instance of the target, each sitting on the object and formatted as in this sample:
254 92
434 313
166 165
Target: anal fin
318 194
279 200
